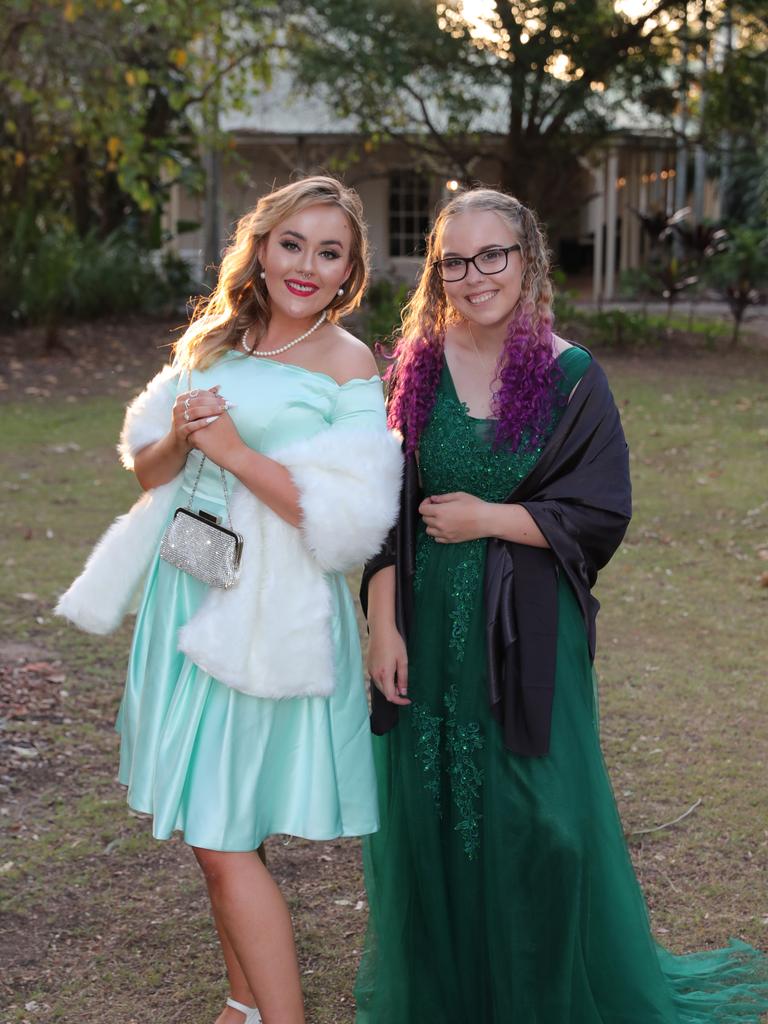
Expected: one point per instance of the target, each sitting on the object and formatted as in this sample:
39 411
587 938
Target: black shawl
579 495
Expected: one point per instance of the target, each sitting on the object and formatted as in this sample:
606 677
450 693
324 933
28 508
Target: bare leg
239 988
253 918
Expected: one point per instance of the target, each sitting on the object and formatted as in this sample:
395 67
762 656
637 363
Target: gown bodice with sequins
457 453
456 450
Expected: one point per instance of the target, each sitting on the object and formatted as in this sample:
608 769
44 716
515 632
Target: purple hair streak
413 380
522 404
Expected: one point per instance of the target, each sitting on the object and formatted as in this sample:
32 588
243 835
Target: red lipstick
304 289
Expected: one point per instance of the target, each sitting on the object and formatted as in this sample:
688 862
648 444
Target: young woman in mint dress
244 712
500 886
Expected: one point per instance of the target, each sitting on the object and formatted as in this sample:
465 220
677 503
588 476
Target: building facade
284 136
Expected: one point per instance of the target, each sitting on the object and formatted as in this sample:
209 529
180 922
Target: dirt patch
106 357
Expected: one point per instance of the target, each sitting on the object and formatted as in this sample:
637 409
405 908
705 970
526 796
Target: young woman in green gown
500 886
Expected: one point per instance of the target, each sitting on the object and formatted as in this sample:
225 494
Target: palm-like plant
739 271
700 241
668 275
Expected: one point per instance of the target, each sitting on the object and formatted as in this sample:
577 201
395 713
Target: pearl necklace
284 348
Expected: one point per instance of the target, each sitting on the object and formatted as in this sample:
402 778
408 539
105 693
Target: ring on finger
195 393
186 405
186 415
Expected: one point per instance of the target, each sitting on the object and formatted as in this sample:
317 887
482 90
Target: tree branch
667 824
434 132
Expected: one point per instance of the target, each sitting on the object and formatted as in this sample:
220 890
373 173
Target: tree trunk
726 139
700 153
81 190
681 157
52 342
114 205
737 315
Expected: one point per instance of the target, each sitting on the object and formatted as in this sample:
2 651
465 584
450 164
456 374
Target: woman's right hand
193 410
388 663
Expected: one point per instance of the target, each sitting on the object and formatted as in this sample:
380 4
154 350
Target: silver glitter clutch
195 543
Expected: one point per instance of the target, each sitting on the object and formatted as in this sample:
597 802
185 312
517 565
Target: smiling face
306 259
484 299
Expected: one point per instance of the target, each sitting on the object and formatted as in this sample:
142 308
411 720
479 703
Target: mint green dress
224 768
500 887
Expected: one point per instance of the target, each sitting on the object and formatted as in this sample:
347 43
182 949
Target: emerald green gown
500 887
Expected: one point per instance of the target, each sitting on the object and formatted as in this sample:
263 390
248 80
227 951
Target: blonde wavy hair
428 310
240 298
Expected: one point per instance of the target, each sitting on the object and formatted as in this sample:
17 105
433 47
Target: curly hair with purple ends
528 374
412 385
527 371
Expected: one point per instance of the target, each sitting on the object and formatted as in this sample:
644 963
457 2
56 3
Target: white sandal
252 1015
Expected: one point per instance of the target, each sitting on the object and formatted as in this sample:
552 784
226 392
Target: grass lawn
100 920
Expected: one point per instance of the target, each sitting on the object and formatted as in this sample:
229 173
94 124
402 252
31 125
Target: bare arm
212 432
387 654
162 460
268 480
513 523
381 598
453 518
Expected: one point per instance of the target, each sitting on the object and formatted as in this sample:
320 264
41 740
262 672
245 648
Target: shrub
51 274
563 304
383 304
636 283
739 271
613 328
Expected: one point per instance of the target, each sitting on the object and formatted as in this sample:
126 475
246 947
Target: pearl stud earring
262 275
340 291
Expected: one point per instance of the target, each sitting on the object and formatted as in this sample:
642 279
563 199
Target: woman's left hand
452 518
219 441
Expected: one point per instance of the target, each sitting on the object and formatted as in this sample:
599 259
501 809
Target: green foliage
51 273
735 116
679 250
383 305
636 283
616 329
637 330
670 276
563 304
105 103
421 74
739 271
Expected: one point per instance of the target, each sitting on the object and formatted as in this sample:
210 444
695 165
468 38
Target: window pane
409 212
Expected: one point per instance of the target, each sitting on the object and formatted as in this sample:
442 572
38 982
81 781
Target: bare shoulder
348 358
560 344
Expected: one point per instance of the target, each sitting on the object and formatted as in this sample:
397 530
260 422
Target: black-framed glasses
489 261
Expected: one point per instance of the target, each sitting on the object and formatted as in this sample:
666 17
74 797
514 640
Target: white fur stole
270 635
110 583
148 417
